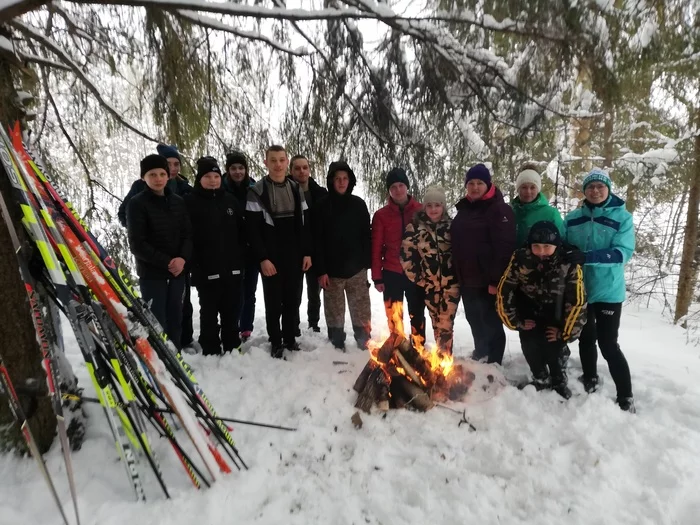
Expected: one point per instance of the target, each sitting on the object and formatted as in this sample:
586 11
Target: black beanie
236 157
544 232
206 165
151 162
396 175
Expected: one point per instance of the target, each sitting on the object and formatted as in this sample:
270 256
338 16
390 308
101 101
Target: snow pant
603 326
250 286
442 307
544 358
187 314
396 285
281 292
219 298
357 291
486 325
313 296
166 298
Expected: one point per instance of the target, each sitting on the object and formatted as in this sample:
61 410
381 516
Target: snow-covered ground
534 458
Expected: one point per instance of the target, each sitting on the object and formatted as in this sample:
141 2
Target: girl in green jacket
531 206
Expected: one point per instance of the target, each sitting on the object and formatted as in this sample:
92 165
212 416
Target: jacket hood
334 168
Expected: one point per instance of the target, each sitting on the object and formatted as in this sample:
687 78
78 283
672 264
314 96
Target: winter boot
293 346
590 384
314 328
627 404
541 381
563 390
277 350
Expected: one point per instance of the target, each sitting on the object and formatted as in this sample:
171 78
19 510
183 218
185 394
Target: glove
573 255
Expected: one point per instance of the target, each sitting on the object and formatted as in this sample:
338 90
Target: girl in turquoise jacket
531 206
604 232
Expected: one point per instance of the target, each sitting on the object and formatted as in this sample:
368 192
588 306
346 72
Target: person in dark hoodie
300 171
342 256
160 237
483 240
277 228
237 181
218 258
388 226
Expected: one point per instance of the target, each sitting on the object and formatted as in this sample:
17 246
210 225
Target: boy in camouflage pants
426 258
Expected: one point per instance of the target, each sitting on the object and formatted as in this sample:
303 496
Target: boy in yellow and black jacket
543 297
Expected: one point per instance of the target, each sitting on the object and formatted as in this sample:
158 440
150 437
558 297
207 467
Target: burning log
375 389
410 394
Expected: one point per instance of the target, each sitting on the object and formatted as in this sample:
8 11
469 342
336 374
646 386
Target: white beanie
528 176
435 194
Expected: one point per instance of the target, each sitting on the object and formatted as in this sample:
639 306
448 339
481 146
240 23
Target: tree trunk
20 349
689 260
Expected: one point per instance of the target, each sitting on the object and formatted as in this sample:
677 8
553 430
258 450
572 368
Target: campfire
401 374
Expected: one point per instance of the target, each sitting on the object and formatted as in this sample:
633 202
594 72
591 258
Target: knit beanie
236 157
480 172
528 176
168 151
396 175
435 194
151 162
206 165
596 174
544 232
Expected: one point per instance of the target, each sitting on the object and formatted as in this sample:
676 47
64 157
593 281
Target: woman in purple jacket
483 239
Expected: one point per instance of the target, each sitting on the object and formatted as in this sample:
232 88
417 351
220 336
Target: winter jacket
483 239
266 240
217 234
240 191
426 253
178 185
606 234
528 214
548 291
342 235
388 226
159 230
317 192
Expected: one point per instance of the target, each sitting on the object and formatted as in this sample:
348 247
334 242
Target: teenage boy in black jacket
160 237
217 261
278 231
313 193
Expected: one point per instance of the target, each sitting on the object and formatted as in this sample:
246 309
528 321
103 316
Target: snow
533 458
643 36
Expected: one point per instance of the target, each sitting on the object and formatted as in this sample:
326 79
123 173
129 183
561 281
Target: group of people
552 279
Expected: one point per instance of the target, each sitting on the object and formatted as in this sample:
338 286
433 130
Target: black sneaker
277 350
627 404
590 384
292 346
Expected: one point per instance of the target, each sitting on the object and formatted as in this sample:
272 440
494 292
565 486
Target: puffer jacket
388 226
606 234
548 291
178 185
159 230
529 213
426 253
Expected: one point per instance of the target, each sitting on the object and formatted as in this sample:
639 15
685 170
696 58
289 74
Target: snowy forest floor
534 458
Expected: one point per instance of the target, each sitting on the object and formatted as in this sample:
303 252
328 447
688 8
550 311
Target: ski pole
227 419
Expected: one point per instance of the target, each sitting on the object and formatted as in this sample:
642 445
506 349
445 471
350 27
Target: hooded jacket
217 234
529 213
388 226
342 235
266 241
606 234
159 230
426 253
483 239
